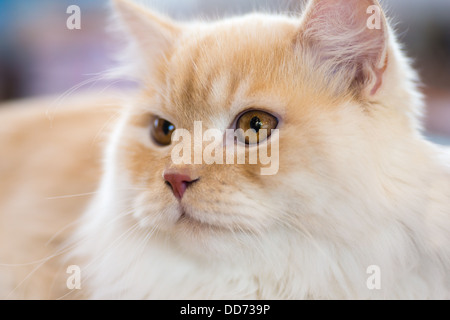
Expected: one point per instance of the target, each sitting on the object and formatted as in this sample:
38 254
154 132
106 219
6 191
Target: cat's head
332 81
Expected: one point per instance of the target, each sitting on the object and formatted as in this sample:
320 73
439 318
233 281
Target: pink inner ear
340 30
334 16
379 77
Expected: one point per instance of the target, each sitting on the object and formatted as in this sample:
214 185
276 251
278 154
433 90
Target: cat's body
50 166
359 207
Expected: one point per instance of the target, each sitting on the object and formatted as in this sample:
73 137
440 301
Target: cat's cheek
150 213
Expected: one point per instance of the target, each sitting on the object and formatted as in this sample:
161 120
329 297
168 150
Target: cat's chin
195 228
189 219
202 235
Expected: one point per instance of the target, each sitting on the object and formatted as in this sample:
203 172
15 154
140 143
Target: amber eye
162 131
257 126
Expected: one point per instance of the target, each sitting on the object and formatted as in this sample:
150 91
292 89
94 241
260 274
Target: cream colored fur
358 185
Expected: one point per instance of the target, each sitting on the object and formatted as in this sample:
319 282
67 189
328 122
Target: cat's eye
161 131
253 123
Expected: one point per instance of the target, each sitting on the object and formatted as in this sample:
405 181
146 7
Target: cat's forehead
223 66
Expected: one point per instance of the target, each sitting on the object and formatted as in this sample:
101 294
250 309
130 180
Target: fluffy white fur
379 197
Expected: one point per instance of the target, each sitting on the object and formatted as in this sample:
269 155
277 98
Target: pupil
255 124
167 127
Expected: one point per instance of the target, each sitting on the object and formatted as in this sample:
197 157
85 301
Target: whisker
113 117
63 229
137 188
53 255
72 195
140 247
113 245
68 92
42 261
79 241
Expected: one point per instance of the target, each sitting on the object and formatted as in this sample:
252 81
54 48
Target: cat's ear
350 38
153 33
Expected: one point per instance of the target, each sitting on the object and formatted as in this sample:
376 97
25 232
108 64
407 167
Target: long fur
361 188
358 186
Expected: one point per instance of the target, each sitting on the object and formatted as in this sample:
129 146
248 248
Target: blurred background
39 55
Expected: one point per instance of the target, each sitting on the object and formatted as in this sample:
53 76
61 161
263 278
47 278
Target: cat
358 208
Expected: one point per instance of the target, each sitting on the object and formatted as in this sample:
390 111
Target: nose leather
179 183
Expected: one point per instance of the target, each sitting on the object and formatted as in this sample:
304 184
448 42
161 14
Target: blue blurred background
39 55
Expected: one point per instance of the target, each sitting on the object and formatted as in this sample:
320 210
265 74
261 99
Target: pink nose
179 183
